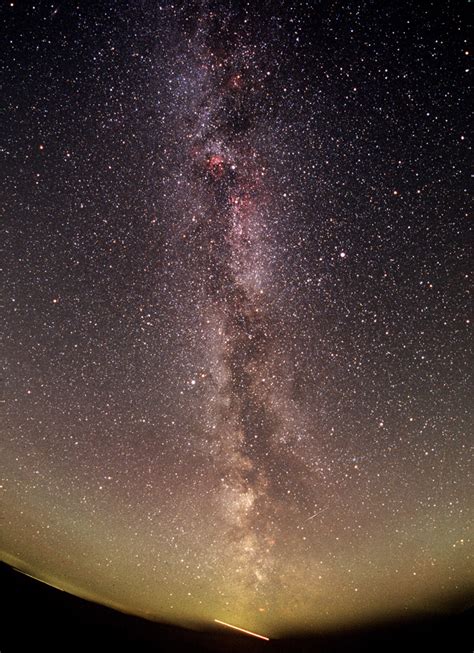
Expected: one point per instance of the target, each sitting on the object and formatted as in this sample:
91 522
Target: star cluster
235 282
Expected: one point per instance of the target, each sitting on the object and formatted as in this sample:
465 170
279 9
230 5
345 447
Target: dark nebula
235 284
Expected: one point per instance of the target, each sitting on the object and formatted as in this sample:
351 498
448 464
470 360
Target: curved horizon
237 323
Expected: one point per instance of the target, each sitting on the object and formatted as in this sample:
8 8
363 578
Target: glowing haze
236 309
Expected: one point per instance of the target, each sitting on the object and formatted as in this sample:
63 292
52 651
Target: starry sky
235 276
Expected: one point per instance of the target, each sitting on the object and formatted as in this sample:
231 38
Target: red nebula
235 82
215 165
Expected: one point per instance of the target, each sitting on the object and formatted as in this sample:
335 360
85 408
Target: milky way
236 308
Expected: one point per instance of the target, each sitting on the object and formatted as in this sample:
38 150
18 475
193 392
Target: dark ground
37 617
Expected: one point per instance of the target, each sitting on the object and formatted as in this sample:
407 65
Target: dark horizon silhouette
236 323
38 616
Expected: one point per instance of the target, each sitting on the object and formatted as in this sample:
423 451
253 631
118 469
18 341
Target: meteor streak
317 513
242 630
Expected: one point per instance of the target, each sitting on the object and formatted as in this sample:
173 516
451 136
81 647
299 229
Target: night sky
235 316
